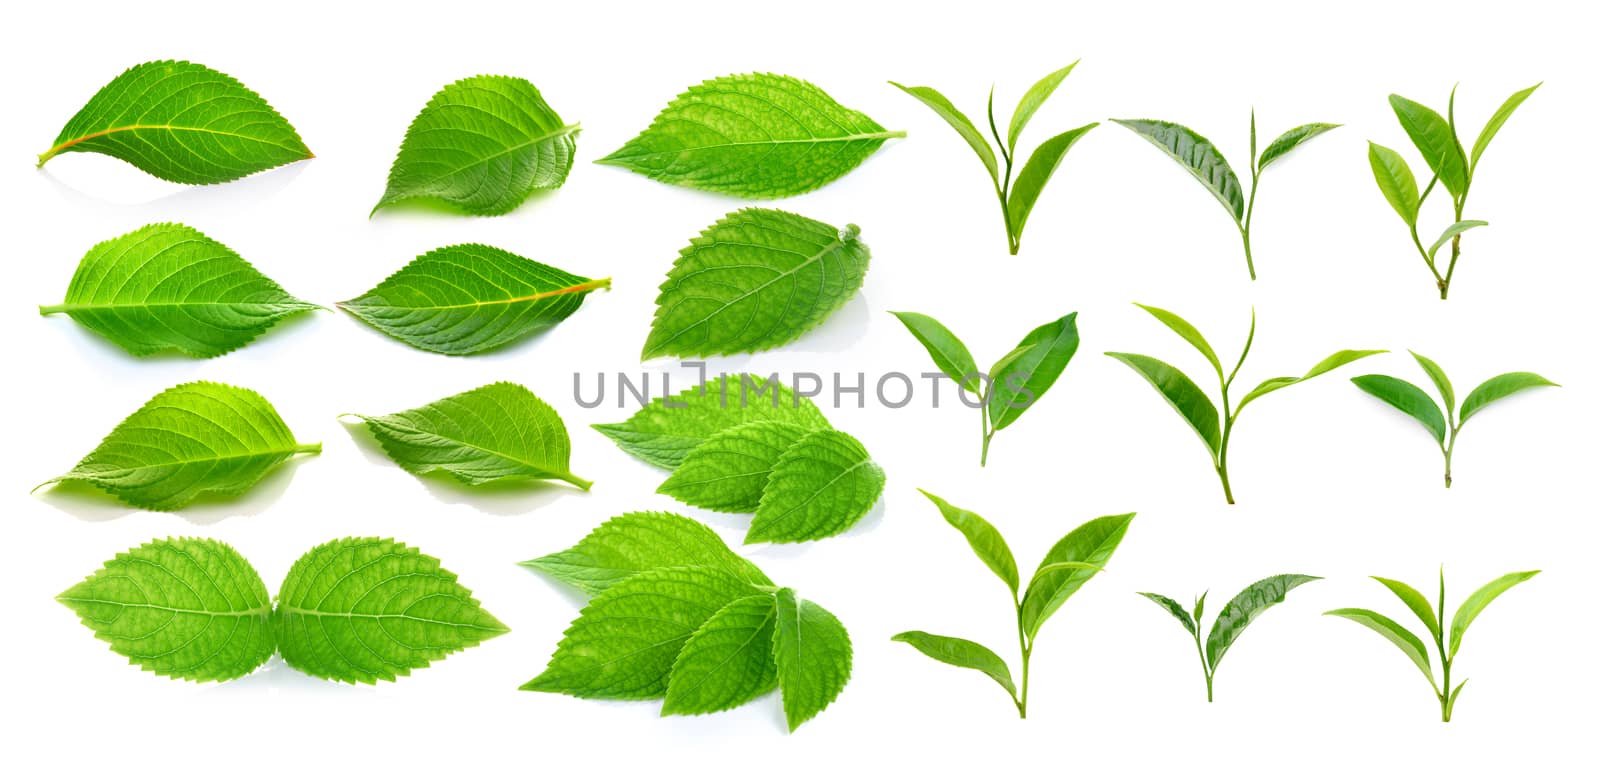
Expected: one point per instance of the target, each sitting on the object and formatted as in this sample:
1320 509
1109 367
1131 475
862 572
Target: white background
1330 482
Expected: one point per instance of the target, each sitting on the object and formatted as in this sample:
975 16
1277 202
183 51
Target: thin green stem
1204 666
1249 213
983 417
1455 252
1004 190
1449 449
1027 653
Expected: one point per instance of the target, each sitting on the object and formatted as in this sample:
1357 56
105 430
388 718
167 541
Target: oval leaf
961 653
949 354
1492 128
1291 139
1032 101
1093 542
1396 181
984 538
1452 232
1036 172
1245 607
1394 633
1023 376
1479 600
813 654
958 121
1174 608
729 471
1320 368
633 543
1440 381
1499 387
1432 135
1406 398
821 486
1186 398
1196 155
726 662
664 431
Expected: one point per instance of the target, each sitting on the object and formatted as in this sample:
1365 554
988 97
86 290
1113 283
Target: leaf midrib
64 146
293 449
292 610
261 611
613 161
598 283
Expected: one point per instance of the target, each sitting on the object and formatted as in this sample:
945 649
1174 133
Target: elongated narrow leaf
1406 398
1186 398
1093 542
493 433
949 354
1291 139
1396 181
727 661
984 538
1499 119
664 431
471 298
1032 101
185 608
360 610
1431 133
1023 376
1245 607
630 544
757 279
1451 232
729 471
813 653
181 122
1320 368
192 439
958 121
1187 331
1499 387
1196 155
1394 633
1415 601
753 136
167 287
1036 172
482 145
1479 600
961 653
1174 608
821 486
1440 380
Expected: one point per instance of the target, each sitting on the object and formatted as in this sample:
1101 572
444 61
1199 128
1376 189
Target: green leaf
624 643
1320 368
630 544
1200 607
1023 376
1245 607
1292 139
813 654
1186 398
482 145
1406 398
961 653
1499 387
753 136
984 538
470 298
757 279
664 431
1031 102
1187 331
729 471
360 610
821 486
1174 608
1036 172
1452 232
185 608
1492 128
1196 155
493 433
958 121
1440 381
1093 542
192 439
167 287
1479 600
1431 133
1414 600
1450 703
726 662
183 123
949 354
1394 633
1394 178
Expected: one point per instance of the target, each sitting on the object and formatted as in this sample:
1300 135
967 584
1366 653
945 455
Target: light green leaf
1196 155
1187 331
185 608
493 433
984 538
1406 398
482 145
471 298
949 354
1431 133
360 610
1174 608
1036 172
1394 633
821 486
753 136
1479 600
726 662
1414 600
757 279
1450 703
1492 128
961 653
729 471
664 431
1022 377
1291 139
1031 102
192 439
958 121
1440 381
1245 607
1499 387
1186 398
1200 607
1394 178
1093 542
167 287
181 122
630 544
813 654
1320 368
1451 232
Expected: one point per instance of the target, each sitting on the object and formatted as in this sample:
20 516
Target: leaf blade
984 538
1478 600
1406 398
1093 542
1198 156
1440 380
727 661
958 120
637 542
949 354
1396 181
664 431
821 486
1453 231
1292 139
1499 387
1498 120
1323 367
965 654
1036 172
1171 606
1246 607
1187 331
1415 601
1398 635
1181 394
813 654
1032 100
1432 135
729 471
1021 378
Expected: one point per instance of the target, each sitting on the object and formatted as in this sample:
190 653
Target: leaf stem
1027 653
1449 450
1250 208
1004 190
311 449
1204 666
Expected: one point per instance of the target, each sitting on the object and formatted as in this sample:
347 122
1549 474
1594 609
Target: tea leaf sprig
1248 604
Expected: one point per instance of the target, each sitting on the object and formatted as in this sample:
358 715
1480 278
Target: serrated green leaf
949 354
1396 181
633 543
1440 381
961 653
664 431
1406 398
167 287
1414 600
1245 607
1181 393
1187 331
181 122
984 538
360 610
191 439
1474 604
1451 232
1031 102
726 662
729 471
1394 633
1035 173
1499 387
470 298
757 279
1431 134
821 486
1291 139
753 136
493 433
1093 542
1323 367
813 654
1196 155
958 120
1023 376
483 145
1499 119
1174 608
185 608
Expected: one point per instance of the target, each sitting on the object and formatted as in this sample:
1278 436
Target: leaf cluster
1244 608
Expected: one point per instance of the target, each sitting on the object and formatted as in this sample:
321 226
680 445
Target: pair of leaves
482 145
470 298
192 439
1236 615
167 287
757 136
499 432
181 122
663 432
355 610
675 615
1016 201
757 279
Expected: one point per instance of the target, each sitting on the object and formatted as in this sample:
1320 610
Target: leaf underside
813 655
664 431
633 543
821 486
1406 398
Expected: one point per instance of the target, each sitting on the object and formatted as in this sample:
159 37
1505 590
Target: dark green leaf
1499 387
1185 397
1431 133
1196 155
984 538
1031 102
949 354
1492 128
1395 180
1244 608
1291 139
958 121
1406 398
1172 607
1479 600
1022 379
1092 542
1036 172
961 653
